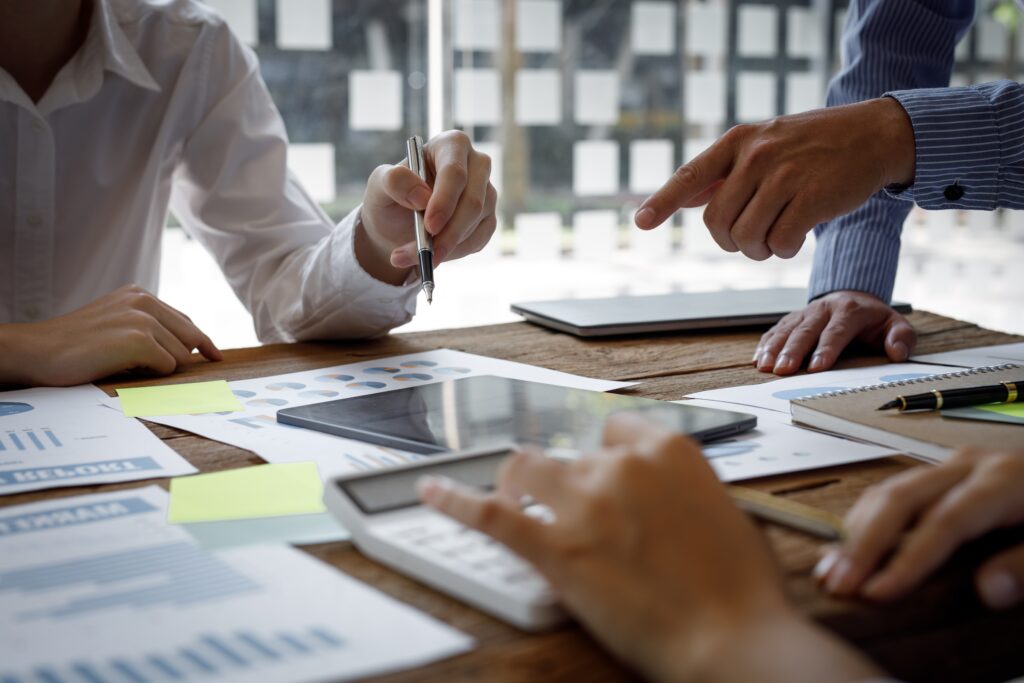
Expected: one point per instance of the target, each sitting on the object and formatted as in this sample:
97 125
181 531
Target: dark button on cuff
953 193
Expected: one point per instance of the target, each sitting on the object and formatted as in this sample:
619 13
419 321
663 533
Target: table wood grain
941 633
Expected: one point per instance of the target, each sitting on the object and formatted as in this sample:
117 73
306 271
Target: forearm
782 647
14 366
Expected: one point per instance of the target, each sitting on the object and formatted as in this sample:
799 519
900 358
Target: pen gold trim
424 241
788 513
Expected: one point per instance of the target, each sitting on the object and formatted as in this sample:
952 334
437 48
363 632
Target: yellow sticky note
1011 409
179 399
260 491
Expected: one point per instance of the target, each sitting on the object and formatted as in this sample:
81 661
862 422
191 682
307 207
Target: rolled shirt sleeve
887 45
293 269
969 146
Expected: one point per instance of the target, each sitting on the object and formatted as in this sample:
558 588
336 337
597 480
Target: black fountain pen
1004 392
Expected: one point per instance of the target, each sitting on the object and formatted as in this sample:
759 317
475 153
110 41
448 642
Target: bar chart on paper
29 440
131 599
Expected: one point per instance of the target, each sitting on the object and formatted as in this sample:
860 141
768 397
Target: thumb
1000 581
900 338
688 182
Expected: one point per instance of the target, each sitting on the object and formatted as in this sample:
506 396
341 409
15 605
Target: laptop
624 315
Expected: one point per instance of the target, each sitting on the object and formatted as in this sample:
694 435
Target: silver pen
424 241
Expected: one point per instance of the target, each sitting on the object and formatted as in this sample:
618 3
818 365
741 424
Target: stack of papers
65 437
978 357
101 588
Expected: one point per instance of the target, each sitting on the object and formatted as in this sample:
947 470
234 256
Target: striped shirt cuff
849 255
959 141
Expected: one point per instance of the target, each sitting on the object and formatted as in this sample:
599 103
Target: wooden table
941 633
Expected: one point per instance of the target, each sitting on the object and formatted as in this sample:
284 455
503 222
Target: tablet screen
481 412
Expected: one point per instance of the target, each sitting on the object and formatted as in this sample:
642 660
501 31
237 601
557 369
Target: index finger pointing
689 182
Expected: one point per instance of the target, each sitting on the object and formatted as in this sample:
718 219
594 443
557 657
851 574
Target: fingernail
817 362
999 589
399 259
645 218
766 362
837 581
901 351
878 588
420 197
825 564
430 488
783 362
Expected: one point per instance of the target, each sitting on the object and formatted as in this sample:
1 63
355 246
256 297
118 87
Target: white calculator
388 523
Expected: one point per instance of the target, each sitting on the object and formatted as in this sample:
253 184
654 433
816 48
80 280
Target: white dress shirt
163 107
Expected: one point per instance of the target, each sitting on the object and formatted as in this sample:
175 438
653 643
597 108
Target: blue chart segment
730 448
243 393
410 376
12 408
366 385
335 378
29 440
382 371
419 364
210 655
318 393
453 371
904 377
261 402
176 573
283 386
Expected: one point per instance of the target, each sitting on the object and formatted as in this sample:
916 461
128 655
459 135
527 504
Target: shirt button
954 192
35 220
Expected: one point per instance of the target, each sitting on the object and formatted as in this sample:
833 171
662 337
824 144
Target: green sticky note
261 491
179 399
1011 409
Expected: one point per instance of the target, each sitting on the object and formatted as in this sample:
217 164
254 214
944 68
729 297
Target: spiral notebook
854 413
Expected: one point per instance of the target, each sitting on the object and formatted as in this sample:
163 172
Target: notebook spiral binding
917 380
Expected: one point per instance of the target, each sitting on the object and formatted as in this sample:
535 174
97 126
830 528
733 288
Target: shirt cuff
855 258
958 148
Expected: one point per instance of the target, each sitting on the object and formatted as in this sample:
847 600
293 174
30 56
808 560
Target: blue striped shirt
905 48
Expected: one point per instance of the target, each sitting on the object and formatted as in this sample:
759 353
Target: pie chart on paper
12 408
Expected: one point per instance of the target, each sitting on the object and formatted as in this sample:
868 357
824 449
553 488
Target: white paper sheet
241 16
313 164
256 428
539 25
304 26
538 97
101 588
477 25
595 234
375 100
978 357
651 163
597 98
65 437
653 28
290 529
477 97
757 30
776 395
755 97
595 167
779 447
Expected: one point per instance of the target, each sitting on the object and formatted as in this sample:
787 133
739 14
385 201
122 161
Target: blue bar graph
210 656
30 439
187 575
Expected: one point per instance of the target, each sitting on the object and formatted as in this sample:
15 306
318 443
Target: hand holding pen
454 195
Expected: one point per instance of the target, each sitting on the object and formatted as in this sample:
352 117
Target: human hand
649 552
128 329
921 516
827 326
457 197
766 185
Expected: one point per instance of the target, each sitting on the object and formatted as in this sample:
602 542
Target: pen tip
888 406
428 289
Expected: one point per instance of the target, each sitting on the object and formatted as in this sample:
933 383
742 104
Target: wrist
898 149
374 255
15 350
779 645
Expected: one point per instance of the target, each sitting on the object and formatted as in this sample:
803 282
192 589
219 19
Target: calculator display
396 490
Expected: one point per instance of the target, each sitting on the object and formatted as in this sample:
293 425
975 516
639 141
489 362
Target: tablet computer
485 411
668 312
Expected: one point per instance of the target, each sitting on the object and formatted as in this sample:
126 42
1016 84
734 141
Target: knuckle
459 137
686 174
738 132
488 515
474 203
